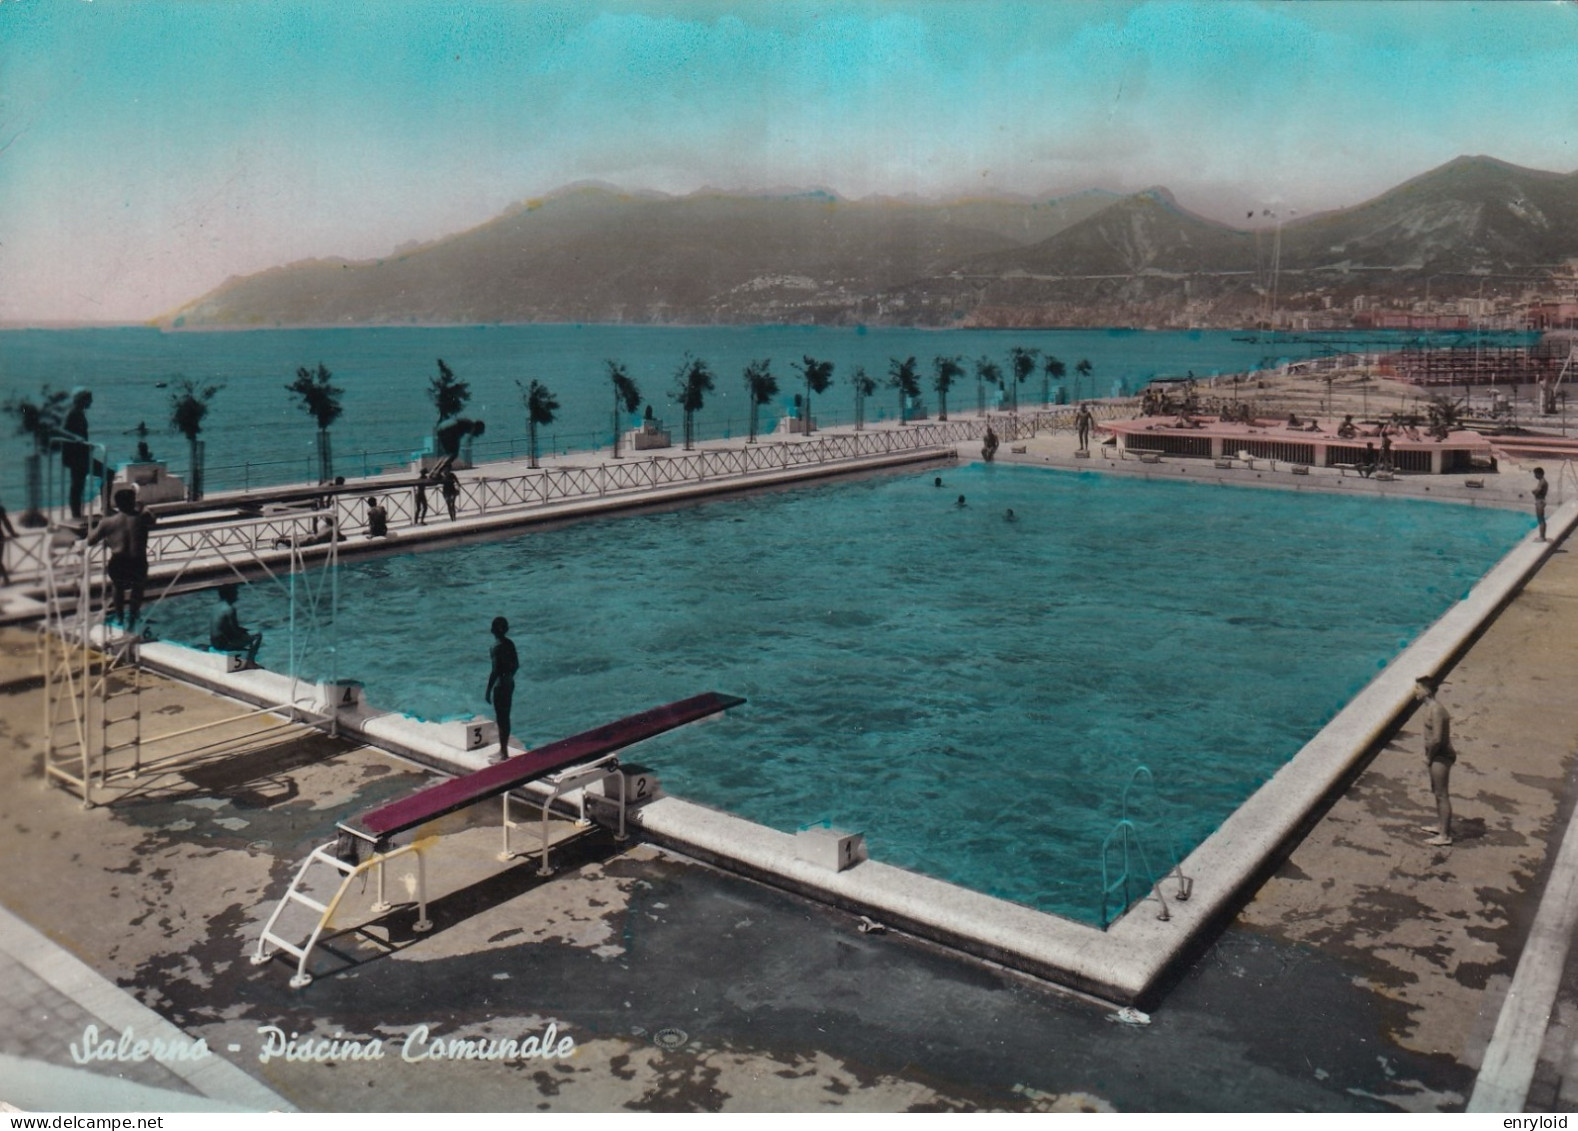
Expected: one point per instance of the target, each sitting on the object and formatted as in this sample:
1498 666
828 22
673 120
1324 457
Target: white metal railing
483 494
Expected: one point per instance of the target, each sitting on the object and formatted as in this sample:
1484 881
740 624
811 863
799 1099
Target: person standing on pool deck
1439 756
501 682
6 531
1082 423
449 487
1542 487
126 532
74 451
419 503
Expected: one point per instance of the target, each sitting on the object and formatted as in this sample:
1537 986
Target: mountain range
1475 227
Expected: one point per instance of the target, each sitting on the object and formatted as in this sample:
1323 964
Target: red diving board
378 825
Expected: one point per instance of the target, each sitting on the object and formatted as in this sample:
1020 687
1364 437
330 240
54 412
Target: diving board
568 764
378 825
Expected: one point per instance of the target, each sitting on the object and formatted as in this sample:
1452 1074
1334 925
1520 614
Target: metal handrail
1129 832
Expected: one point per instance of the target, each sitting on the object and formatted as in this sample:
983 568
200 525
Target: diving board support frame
270 943
566 781
88 665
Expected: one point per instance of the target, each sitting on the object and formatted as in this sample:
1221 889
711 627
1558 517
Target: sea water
256 434
971 692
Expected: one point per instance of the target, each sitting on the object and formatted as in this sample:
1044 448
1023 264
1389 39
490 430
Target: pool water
973 693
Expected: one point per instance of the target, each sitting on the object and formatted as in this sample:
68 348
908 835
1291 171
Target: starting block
830 848
481 733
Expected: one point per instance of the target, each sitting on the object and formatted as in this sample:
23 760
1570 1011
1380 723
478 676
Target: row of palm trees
42 418
694 379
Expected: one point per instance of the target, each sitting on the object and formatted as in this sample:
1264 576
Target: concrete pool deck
1367 974
1402 972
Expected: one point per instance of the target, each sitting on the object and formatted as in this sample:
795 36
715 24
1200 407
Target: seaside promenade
1369 972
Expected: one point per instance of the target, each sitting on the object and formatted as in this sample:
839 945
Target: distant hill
594 254
1471 214
1470 227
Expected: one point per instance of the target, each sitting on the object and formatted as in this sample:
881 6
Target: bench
1300 469
363 841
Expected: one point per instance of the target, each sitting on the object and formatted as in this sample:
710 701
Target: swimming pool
972 693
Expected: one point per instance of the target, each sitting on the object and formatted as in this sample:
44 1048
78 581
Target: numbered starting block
636 784
346 695
830 848
576 763
481 734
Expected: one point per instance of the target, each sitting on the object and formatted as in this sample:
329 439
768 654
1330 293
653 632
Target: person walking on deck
1439 756
500 692
1542 487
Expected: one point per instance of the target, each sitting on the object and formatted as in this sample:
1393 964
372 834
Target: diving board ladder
566 765
349 870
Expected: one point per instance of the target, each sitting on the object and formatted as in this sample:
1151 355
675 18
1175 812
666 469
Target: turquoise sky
151 148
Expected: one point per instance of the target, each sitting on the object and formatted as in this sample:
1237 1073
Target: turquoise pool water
972 693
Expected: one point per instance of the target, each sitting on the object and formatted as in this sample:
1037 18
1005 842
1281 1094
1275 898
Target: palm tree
692 380
448 394
904 376
41 419
986 372
322 401
625 394
761 386
1052 370
540 409
818 376
1023 362
864 387
188 406
947 371
1083 369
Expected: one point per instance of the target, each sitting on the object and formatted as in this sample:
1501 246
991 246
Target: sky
150 149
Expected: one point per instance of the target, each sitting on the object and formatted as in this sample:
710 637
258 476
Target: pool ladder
1124 841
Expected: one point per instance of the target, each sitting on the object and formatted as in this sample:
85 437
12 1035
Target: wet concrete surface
1365 975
